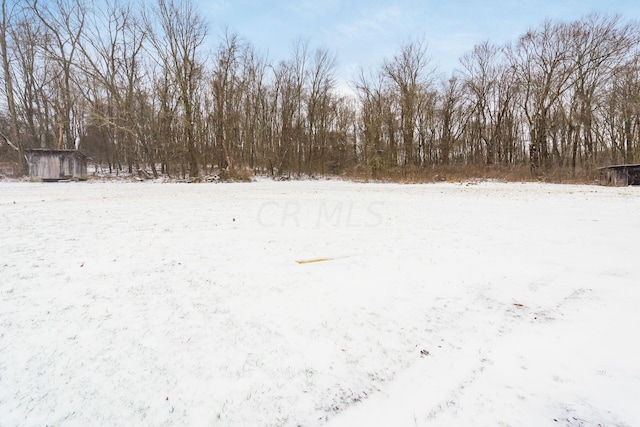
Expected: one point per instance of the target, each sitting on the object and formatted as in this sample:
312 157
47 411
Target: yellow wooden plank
309 261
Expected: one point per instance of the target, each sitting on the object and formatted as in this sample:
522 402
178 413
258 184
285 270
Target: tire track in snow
429 392
507 328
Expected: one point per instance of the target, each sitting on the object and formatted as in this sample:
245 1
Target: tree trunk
13 117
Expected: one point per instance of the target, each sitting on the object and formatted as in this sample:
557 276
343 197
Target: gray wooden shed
56 165
620 175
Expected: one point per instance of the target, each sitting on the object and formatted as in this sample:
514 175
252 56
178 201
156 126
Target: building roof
620 166
55 151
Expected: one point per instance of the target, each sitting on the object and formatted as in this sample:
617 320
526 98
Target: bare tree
409 73
452 120
321 86
110 62
257 116
31 78
543 66
64 21
226 94
13 139
289 93
490 85
480 74
177 39
600 46
621 116
378 124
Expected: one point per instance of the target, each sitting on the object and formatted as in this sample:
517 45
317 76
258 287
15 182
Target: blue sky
364 32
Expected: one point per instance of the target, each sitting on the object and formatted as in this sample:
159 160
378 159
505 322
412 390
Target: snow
441 304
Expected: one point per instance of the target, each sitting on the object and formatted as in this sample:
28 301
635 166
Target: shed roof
620 166
55 151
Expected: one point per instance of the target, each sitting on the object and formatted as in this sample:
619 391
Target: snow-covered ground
443 304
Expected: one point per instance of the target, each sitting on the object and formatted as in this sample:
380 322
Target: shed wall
614 177
620 175
57 165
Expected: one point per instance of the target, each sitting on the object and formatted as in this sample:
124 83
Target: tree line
139 89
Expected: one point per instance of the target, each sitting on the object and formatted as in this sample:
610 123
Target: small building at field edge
620 175
56 165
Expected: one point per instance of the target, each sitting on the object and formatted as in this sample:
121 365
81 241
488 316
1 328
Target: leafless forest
142 87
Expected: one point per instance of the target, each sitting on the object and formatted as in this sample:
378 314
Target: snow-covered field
443 304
